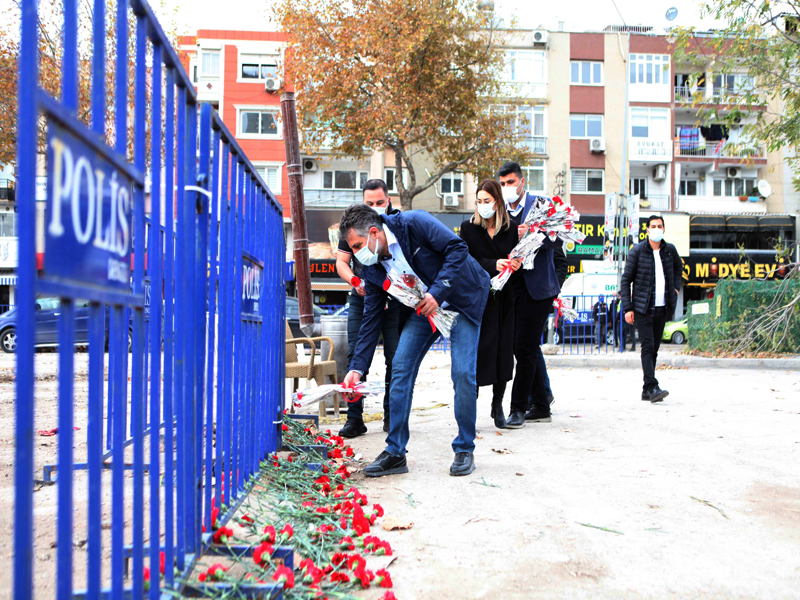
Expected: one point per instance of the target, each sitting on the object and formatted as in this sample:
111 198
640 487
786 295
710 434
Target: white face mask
656 235
511 194
381 210
366 256
486 210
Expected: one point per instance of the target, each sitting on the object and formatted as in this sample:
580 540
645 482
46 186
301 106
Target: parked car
676 332
47 310
293 316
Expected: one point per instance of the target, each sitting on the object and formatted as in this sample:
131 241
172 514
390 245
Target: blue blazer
541 282
440 259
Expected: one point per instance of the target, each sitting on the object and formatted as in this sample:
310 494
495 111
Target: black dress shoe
463 464
386 464
538 416
516 420
497 414
655 395
353 428
551 399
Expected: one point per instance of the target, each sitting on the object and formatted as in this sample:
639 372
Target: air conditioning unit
540 38
451 200
733 172
272 84
310 165
597 144
659 172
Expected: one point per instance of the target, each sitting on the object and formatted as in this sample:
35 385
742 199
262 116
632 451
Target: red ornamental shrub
262 553
285 576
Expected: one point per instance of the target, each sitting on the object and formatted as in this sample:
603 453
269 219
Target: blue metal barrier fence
202 310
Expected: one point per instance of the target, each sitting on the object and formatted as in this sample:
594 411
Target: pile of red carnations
303 499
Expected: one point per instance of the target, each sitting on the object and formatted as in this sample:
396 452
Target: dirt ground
702 491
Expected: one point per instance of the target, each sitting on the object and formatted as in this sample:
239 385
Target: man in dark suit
415 243
534 294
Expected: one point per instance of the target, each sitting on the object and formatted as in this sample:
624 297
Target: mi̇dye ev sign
89 218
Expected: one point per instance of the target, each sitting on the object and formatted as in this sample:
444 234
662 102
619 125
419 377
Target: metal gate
189 276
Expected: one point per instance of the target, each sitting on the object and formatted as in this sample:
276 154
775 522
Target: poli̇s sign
251 287
89 218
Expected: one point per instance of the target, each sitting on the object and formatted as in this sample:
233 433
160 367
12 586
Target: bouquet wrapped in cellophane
308 396
547 218
563 307
409 290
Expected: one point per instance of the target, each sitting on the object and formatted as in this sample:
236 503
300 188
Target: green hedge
715 325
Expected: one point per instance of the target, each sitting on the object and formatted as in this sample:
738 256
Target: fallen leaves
502 450
395 523
497 433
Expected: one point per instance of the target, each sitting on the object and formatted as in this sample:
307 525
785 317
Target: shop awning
773 222
741 223
707 222
330 285
8 280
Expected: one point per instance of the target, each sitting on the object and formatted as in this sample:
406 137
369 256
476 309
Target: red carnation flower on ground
222 535
285 576
357 560
269 534
284 427
383 579
388 596
349 452
146 575
363 576
347 543
262 553
377 509
247 519
287 532
337 577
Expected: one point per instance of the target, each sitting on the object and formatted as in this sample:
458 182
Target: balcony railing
718 204
718 149
537 145
654 202
684 93
323 198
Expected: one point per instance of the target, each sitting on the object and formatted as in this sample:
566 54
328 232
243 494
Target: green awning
707 223
773 222
741 223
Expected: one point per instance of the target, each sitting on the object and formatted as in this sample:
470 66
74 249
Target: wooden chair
318 370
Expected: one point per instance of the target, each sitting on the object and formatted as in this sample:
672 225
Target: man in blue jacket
534 292
416 243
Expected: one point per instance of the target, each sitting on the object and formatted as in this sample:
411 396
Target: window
451 183
638 187
271 174
344 180
688 187
388 175
259 67
585 126
649 69
732 84
209 63
534 177
259 123
586 73
8 224
744 186
525 66
649 123
586 181
530 121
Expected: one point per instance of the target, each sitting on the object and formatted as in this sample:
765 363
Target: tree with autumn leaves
417 77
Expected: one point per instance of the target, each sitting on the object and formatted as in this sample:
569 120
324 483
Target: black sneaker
655 395
386 464
535 415
463 464
516 420
353 428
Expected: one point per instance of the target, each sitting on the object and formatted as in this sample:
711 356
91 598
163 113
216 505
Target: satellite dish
764 188
672 13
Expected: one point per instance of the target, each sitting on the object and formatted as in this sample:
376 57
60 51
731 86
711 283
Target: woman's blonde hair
501 216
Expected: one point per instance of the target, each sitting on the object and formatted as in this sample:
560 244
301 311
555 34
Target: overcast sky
578 15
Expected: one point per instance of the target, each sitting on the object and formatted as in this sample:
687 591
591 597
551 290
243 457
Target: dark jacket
496 343
440 259
541 282
560 264
600 311
640 271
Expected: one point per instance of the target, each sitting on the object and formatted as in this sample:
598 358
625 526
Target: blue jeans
415 340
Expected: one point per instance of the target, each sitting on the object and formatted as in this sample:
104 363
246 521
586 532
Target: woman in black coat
491 235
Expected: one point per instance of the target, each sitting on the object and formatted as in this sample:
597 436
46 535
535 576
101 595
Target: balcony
719 205
325 198
651 202
537 145
721 150
519 89
683 93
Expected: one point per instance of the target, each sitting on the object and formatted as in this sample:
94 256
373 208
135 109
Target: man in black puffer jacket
654 268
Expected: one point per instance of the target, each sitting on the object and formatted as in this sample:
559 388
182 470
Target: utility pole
294 169
623 200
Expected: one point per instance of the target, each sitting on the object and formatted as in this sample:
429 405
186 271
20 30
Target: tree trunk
405 200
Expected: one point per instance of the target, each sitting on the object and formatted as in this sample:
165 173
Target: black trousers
651 328
531 317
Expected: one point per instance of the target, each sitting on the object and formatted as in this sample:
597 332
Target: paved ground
702 491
